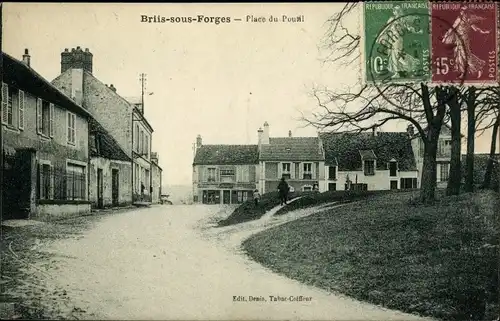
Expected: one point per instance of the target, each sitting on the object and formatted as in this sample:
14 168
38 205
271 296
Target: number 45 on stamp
464 42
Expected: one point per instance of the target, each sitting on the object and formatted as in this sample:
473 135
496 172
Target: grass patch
247 211
437 260
314 199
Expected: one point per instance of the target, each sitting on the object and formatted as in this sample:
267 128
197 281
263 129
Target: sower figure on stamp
398 60
283 189
459 37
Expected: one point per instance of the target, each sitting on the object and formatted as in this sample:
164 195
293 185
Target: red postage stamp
464 42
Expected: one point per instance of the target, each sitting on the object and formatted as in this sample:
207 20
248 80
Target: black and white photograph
250 161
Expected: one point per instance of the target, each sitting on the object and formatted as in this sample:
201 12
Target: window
141 140
45 118
369 167
211 175
444 169
286 173
71 128
332 173
75 182
146 145
332 186
46 182
393 169
408 183
227 175
394 184
307 171
136 138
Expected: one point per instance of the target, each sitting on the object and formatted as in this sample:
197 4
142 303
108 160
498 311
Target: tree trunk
455 176
489 167
471 132
428 184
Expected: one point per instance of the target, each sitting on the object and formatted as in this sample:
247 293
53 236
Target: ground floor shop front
225 196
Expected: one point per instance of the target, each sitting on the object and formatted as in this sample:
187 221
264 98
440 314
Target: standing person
283 189
256 197
142 191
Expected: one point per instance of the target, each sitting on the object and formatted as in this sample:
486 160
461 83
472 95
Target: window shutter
21 109
73 119
51 196
5 102
39 115
51 122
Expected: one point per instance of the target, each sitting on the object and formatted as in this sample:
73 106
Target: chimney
198 141
265 135
410 130
76 59
374 131
27 58
289 133
112 87
260 133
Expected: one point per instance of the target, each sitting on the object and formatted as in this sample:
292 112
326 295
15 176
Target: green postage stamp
397 39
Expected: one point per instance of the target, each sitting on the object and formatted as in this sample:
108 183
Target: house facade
109 168
369 161
443 157
224 174
45 133
123 121
156 174
300 160
142 164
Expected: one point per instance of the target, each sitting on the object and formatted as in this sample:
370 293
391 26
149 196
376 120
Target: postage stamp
464 42
397 41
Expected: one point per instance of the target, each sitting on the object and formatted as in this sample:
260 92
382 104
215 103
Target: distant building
45 133
443 157
156 181
369 161
300 160
224 174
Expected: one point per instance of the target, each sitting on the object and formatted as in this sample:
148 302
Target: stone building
45 133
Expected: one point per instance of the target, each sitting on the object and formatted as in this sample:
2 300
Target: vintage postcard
249 161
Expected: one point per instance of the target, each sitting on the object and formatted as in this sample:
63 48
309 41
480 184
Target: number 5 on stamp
397 41
464 42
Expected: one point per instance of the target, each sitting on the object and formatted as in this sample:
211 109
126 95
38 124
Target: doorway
114 186
100 196
226 197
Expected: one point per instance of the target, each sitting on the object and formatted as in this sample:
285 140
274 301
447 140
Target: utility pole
143 88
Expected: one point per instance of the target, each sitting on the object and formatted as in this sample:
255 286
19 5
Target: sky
219 81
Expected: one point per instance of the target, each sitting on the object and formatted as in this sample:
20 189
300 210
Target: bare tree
361 109
455 112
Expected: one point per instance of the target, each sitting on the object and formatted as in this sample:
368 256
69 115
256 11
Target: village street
167 262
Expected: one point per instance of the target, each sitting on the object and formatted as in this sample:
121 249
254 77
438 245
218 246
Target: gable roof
292 149
346 149
108 146
18 74
226 155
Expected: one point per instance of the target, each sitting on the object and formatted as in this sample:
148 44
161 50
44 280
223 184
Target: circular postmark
394 64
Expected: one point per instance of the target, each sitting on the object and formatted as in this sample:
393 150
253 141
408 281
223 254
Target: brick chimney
265 136
289 133
27 57
76 59
198 141
260 133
